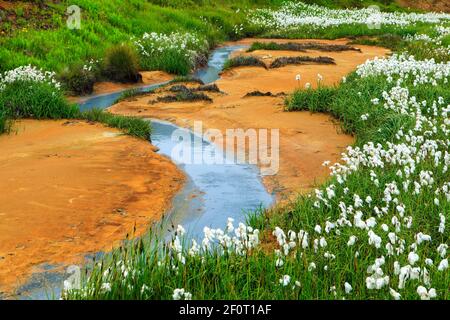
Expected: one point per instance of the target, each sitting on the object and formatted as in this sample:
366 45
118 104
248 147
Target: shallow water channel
211 194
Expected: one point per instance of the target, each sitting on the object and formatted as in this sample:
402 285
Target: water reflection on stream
213 192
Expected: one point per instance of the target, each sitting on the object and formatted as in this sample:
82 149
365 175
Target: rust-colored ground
306 140
72 188
428 5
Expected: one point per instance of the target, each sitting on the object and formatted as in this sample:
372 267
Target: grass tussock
130 93
420 49
244 61
314 100
132 126
208 88
78 80
183 96
122 64
301 47
180 88
258 93
192 79
5 125
390 41
284 61
25 99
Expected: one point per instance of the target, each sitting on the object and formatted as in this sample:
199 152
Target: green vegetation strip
302 47
34 100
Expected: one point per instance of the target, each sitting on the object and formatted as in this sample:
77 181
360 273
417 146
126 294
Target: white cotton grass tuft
285 280
181 294
298 14
425 294
28 73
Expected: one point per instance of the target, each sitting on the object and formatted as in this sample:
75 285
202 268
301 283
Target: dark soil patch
187 79
284 61
188 96
209 87
180 88
15 15
263 94
302 47
244 61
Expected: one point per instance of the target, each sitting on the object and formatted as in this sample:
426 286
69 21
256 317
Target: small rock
121 211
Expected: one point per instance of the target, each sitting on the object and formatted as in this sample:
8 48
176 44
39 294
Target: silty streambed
211 194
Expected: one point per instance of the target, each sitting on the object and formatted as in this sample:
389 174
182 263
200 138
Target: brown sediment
68 188
306 140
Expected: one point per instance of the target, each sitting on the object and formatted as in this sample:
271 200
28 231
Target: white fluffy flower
425 294
285 280
413 257
395 294
443 265
348 288
351 241
181 294
106 287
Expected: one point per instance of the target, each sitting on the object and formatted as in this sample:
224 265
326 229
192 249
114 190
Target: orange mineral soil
68 188
306 140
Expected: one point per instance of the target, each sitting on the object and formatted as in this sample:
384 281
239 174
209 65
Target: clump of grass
132 126
26 99
272 46
209 87
315 100
130 93
182 88
177 52
178 79
302 47
188 96
427 50
390 41
242 61
258 93
5 124
284 61
78 80
179 88
122 64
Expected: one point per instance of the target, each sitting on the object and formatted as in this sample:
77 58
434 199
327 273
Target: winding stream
211 194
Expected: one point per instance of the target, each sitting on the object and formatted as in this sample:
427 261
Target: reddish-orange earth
68 188
428 5
306 140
